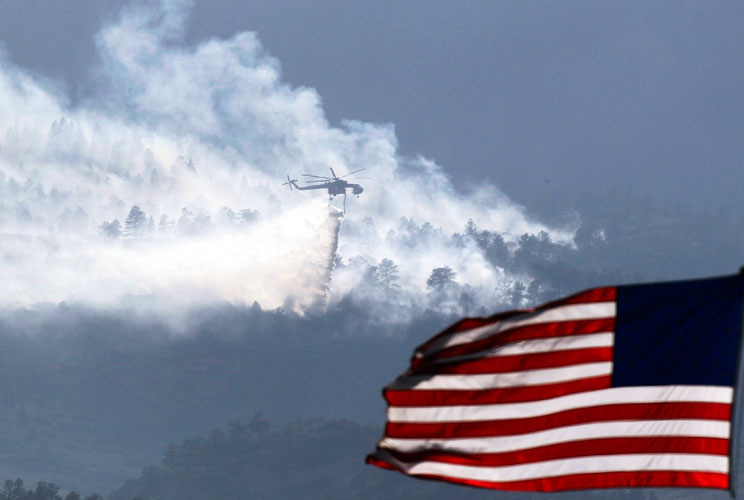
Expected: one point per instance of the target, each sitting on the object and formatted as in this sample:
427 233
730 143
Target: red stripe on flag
471 323
587 481
528 332
521 362
605 294
430 397
606 413
589 447
606 480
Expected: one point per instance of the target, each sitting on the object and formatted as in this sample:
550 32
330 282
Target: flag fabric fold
612 387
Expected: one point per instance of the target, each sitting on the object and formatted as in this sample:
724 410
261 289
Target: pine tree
517 293
441 278
111 229
387 275
135 223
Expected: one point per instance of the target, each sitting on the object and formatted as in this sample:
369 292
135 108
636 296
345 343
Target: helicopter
335 185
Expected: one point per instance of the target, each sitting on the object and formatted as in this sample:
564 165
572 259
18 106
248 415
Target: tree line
15 490
139 225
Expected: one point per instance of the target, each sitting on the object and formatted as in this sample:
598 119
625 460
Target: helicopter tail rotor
290 182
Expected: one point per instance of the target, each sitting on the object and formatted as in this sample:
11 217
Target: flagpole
736 413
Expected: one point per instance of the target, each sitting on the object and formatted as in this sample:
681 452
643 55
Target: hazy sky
434 98
532 96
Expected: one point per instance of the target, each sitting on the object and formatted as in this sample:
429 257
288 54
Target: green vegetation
311 459
15 490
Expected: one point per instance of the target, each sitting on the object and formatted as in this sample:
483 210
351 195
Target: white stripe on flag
604 339
570 312
567 466
511 379
614 429
617 395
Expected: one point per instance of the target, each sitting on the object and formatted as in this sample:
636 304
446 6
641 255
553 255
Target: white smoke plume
200 139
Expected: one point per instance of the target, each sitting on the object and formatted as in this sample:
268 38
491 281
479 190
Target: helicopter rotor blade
289 183
318 176
354 172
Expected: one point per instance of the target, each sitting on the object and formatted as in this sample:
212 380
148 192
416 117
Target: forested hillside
90 397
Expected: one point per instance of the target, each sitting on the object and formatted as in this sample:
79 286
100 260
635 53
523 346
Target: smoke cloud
199 139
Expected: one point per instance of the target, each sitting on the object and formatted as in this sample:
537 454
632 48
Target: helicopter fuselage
334 185
334 188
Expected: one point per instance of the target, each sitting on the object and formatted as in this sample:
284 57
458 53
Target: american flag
612 387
